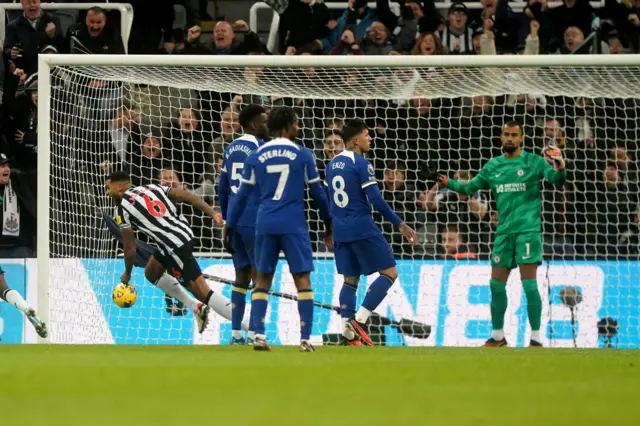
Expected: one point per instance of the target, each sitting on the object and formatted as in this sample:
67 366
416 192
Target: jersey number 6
155 208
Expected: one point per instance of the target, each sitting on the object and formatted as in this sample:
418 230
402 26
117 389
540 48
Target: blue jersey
279 170
348 174
233 160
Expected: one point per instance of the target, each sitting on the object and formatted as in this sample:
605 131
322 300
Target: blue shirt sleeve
318 193
223 190
247 184
368 182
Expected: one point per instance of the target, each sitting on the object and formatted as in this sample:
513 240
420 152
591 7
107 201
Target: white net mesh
170 124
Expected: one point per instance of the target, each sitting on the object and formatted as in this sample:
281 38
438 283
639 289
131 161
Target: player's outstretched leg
375 295
528 273
13 297
305 309
348 297
238 304
155 272
498 286
259 303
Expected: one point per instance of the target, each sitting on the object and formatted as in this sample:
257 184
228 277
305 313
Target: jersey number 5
283 169
236 168
156 208
340 197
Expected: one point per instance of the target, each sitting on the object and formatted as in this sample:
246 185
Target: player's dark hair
119 176
334 132
250 113
353 128
281 118
513 123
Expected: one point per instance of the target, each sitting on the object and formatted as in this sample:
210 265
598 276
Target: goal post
443 109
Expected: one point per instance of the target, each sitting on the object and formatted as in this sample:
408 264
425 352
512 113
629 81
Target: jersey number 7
283 169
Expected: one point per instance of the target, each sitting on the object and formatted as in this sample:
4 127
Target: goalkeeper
514 179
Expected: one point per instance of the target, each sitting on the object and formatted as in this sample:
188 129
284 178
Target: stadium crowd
176 137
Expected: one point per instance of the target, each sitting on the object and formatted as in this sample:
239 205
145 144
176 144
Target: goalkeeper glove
429 172
555 154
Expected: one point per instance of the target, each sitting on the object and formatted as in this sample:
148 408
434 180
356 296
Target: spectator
302 22
224 40
332 145
24 112
428 17
457 36
18 213
556 21
146 160
377 40
124 123
428 44
357 18
229 129
94 35
185 147
25 37
452 245
467 213
509 28
624 15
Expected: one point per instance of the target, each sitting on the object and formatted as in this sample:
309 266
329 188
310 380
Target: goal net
168 119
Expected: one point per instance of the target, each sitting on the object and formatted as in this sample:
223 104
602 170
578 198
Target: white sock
13 297
236 334
251 334
347 332
535 335
221 305
363 314
497 334
172 288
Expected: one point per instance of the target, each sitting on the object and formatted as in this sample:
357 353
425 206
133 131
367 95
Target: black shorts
181 264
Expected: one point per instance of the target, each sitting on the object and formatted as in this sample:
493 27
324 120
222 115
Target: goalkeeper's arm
428 172
557 176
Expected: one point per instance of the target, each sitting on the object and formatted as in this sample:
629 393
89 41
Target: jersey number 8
340 197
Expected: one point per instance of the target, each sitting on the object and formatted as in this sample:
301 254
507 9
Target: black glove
429 172
228 238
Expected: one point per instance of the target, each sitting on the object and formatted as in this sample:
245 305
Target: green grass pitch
165 385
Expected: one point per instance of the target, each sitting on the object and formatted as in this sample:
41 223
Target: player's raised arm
468 188
557 176
183 196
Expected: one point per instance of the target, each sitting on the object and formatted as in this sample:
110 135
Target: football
124 295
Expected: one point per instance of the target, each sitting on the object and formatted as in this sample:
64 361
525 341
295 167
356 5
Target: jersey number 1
155 208
283 169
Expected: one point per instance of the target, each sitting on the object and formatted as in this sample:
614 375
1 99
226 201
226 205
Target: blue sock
238 303
348 300
377 292
259 302
305 309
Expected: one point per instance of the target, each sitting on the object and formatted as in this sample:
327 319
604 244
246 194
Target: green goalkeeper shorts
510 250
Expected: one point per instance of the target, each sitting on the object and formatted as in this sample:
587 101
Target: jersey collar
250 138
349 154
279 141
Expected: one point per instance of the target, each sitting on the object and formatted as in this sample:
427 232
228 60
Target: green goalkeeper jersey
515 184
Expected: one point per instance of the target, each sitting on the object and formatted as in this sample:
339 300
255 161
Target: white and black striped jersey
149 210
448 40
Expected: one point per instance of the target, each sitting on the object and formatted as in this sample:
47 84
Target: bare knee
302 281
500 274
154 270
392 273
243 278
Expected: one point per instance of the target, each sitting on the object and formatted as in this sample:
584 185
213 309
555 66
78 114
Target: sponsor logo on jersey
370 169
496 259
511 187
118 220
520 172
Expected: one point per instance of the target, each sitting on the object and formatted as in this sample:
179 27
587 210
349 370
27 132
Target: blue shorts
363 257
243 245
296 248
